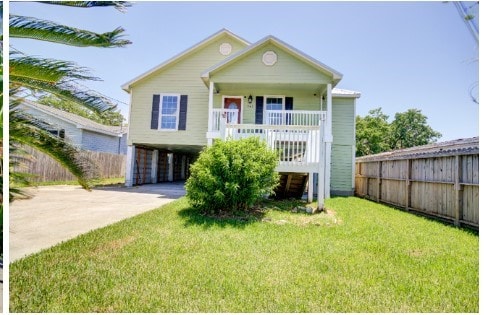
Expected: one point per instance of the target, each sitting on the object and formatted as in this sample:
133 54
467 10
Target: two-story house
224 87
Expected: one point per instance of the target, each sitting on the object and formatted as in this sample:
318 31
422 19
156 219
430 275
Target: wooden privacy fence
443 183
47 169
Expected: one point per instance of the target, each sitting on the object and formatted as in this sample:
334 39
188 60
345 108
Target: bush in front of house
230 176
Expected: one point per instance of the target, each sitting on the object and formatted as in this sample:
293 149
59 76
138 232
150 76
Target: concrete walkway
59 213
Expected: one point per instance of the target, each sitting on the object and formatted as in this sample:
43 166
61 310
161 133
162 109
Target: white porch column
328 139
310 187
154 166
321 165
210 110
170 167
128 182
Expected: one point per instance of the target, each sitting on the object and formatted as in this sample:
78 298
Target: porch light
250 99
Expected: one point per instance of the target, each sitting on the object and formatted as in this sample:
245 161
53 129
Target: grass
358 257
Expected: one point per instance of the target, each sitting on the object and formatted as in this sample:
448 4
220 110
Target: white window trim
241 105
177 111
265 104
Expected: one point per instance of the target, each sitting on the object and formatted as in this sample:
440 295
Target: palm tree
30 76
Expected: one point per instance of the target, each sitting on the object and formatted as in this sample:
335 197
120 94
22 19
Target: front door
233 103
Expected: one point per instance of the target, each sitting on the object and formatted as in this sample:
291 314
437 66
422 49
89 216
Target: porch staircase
291 185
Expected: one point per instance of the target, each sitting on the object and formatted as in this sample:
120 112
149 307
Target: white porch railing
298 146
293 117
295 134
272 117
220 114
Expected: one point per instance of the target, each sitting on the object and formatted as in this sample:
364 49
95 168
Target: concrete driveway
59 213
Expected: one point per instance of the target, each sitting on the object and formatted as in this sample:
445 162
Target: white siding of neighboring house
102 143
73 135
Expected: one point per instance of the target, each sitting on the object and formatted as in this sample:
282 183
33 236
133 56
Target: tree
410 129
33 77
372 133
109 117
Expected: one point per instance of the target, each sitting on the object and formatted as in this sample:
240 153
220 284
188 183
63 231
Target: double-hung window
169 109
169 112
274 103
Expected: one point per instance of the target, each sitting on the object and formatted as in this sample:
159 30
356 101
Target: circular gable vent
269 58
225 49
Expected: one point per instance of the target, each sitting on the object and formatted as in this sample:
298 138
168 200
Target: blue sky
399 55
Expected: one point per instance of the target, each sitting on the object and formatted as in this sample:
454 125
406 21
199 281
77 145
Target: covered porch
293 119
274 91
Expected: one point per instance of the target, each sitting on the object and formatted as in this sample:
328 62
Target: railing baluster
297 140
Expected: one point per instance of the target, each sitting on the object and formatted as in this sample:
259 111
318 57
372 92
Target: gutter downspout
328 139
321 177
130 149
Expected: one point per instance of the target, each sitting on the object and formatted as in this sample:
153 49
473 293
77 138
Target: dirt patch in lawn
114 245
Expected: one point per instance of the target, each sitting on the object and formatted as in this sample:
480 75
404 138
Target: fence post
408 187
458 190
378 182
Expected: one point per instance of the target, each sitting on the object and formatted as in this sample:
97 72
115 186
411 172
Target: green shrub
230 176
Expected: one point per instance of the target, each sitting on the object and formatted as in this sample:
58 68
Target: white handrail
230 115
297 145
294 117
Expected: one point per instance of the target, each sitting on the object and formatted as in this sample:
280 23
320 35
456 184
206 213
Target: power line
468 19
103 95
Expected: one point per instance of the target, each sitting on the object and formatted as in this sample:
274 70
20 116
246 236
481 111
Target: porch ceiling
174 148
307 87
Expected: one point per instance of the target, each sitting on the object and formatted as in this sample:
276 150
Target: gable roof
336 92
78 121
218 34
337 76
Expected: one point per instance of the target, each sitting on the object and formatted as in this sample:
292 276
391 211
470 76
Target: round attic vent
225 49
269 58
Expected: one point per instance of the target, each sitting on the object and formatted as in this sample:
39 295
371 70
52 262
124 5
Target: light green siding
247 75
181 77
287 69
341 169
344 121
343 143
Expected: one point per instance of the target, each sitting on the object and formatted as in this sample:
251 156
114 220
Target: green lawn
359 257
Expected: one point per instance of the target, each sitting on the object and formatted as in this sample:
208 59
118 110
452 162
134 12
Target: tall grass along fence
440 180
47 169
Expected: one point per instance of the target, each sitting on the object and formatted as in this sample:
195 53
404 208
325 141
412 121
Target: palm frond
46 70
23 131
119 5
67 91
33 28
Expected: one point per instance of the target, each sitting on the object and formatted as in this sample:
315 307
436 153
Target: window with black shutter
169 112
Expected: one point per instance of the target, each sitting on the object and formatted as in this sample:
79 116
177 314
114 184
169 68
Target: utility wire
468 19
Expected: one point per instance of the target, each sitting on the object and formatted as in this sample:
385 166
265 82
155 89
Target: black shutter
259 110
155 112
288 106
288 103
182 123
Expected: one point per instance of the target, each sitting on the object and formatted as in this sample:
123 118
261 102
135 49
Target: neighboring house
79 131
226 87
